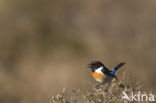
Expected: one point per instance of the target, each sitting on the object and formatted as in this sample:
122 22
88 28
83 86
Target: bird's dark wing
106 71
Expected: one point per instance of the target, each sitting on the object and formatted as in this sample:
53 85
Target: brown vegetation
114 95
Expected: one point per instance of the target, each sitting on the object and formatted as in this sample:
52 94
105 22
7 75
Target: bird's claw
106 90
97 86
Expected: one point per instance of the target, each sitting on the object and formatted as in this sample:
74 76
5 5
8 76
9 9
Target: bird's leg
116 78
108 85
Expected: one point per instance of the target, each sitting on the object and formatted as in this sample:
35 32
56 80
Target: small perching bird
102 74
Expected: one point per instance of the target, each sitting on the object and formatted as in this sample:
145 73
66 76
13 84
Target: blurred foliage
44 44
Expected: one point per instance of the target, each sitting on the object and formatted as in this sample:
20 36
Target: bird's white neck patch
99 70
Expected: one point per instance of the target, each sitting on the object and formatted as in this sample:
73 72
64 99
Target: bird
102 74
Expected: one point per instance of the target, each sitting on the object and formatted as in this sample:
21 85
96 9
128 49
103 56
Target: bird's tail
114 70
119 65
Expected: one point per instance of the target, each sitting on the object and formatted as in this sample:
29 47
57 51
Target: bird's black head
94 65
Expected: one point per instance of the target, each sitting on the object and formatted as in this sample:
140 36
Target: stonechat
102 74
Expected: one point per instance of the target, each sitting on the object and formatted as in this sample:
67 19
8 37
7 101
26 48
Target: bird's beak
89 65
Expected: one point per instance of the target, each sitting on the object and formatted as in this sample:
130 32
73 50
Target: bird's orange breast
98 76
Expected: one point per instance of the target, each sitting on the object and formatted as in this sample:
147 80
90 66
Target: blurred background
45 45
